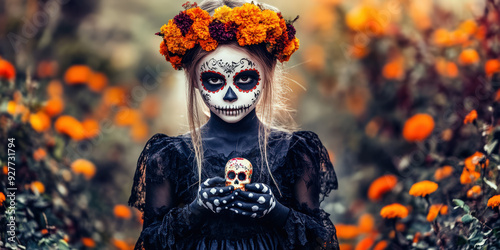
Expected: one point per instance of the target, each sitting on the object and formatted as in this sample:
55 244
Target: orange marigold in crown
248 25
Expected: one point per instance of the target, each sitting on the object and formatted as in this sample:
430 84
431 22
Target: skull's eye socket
231 175
242 176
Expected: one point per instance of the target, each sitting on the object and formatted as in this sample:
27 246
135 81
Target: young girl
229 51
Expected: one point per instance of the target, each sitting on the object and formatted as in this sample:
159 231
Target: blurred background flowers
403 93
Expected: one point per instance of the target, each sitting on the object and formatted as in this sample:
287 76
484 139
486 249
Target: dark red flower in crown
248 25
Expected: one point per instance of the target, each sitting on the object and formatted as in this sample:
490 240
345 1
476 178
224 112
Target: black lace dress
166 181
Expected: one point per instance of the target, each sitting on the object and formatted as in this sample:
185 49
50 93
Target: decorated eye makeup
246 80
212 81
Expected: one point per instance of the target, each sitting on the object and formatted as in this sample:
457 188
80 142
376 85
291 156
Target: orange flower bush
84 167
418 127
423 188
381 185
394 210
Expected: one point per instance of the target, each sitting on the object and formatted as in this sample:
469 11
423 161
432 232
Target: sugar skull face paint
230 83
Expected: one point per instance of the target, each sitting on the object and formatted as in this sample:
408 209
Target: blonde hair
271 109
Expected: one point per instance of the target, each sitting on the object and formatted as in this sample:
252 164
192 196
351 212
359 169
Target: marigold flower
14 108
347 232
91 128
55 89
2 198
441 37
7 70
223 13
468 176
474 191
443 172
394 69
446 69
418 127
37 186
416 237
444 210
97 82
84 167
494 201
127 116
433 212
366 223
492 66
139 131
39 154
365 243
394 210
468 57
471 117
122 245
381 245
122 212
54 106
472 161
88 242
77 74
380 186
40 121
114 96
468 26
70 126
423 188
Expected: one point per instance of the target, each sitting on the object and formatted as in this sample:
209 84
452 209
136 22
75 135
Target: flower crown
248 25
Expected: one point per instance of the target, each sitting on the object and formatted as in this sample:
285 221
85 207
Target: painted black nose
230 95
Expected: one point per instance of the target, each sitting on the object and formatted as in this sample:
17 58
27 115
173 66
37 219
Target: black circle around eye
247 80
207 78
242 176
231 175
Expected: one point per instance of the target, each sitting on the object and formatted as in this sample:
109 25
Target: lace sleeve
307 225
153 193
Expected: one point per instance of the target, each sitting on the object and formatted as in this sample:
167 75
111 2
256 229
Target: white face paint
230 82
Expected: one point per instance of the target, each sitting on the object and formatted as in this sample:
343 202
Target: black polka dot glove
259 202
212 195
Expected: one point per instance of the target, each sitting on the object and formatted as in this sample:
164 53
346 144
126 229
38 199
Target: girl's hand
211 196
256 202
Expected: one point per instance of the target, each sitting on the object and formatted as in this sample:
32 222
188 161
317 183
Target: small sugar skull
238 173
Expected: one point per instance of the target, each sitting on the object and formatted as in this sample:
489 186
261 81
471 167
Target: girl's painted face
230 82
